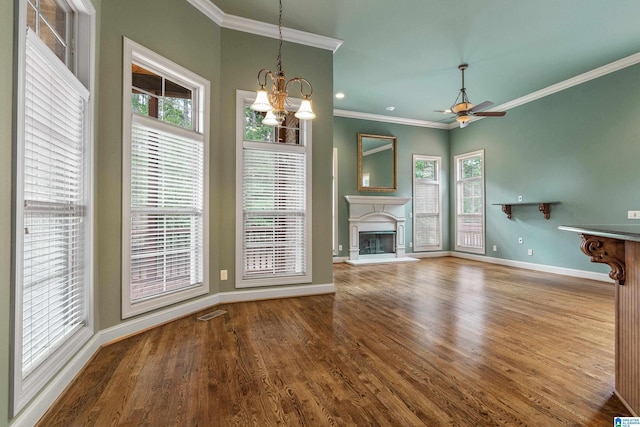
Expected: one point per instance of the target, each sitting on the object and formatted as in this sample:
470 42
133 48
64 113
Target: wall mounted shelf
544 207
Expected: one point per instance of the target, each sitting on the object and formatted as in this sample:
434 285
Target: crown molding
388 119
550 90
574 81
209 9
251 26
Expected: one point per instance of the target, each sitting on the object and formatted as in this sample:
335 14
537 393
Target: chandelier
273 101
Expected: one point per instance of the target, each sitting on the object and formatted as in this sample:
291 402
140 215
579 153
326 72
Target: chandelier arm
301 80
267 73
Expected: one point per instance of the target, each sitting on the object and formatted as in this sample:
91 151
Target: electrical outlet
530 252
633 214
520 240
410 214
495 248
223 274
340 247
519 198
410 244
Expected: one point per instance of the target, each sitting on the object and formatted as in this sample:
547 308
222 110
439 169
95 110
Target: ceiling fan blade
490 113
482 106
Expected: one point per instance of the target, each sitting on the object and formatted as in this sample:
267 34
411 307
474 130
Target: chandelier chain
280 37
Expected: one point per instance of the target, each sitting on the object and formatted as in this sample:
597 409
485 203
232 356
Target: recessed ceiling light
390 108
340 95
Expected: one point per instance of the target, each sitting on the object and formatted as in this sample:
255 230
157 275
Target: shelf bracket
545 208
507 210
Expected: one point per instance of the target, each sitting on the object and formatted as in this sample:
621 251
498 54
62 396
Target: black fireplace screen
377 242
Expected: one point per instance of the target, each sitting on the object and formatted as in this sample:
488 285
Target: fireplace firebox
377 242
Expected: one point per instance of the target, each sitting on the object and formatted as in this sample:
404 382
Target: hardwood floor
442 341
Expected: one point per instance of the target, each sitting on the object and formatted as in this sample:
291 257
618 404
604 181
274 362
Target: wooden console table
619 247
544 207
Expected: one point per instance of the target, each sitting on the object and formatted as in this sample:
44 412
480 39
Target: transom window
156 96
51 20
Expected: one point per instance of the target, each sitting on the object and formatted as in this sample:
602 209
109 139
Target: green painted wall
580 146
242 56
411 140
6 121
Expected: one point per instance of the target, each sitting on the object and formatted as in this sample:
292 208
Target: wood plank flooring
442 341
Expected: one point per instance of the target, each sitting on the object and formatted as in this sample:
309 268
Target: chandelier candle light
273 101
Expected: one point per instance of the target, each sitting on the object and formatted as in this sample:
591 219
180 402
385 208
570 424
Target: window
53 211
470 202
273 199
165 209
427 221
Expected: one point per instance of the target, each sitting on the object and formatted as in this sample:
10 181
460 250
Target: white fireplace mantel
377 200
376 213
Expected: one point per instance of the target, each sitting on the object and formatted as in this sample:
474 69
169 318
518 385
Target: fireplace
376 229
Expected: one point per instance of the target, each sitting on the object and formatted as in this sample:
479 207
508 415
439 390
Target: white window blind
274 213
426 203
54 206
470 202
167 230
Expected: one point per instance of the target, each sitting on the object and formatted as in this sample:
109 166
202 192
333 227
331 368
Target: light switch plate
633 214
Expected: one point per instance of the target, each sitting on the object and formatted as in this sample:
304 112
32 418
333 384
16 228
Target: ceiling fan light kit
465 110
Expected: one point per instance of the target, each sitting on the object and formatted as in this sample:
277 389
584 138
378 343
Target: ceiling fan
464 110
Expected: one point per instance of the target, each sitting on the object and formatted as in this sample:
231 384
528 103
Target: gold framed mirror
377 159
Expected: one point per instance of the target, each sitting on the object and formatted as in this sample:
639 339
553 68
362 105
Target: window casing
54 201
470 205
165 182
334 216
427 216
273 202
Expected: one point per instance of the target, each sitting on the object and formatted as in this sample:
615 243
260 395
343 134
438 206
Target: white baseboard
339 259
41 403
582 274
